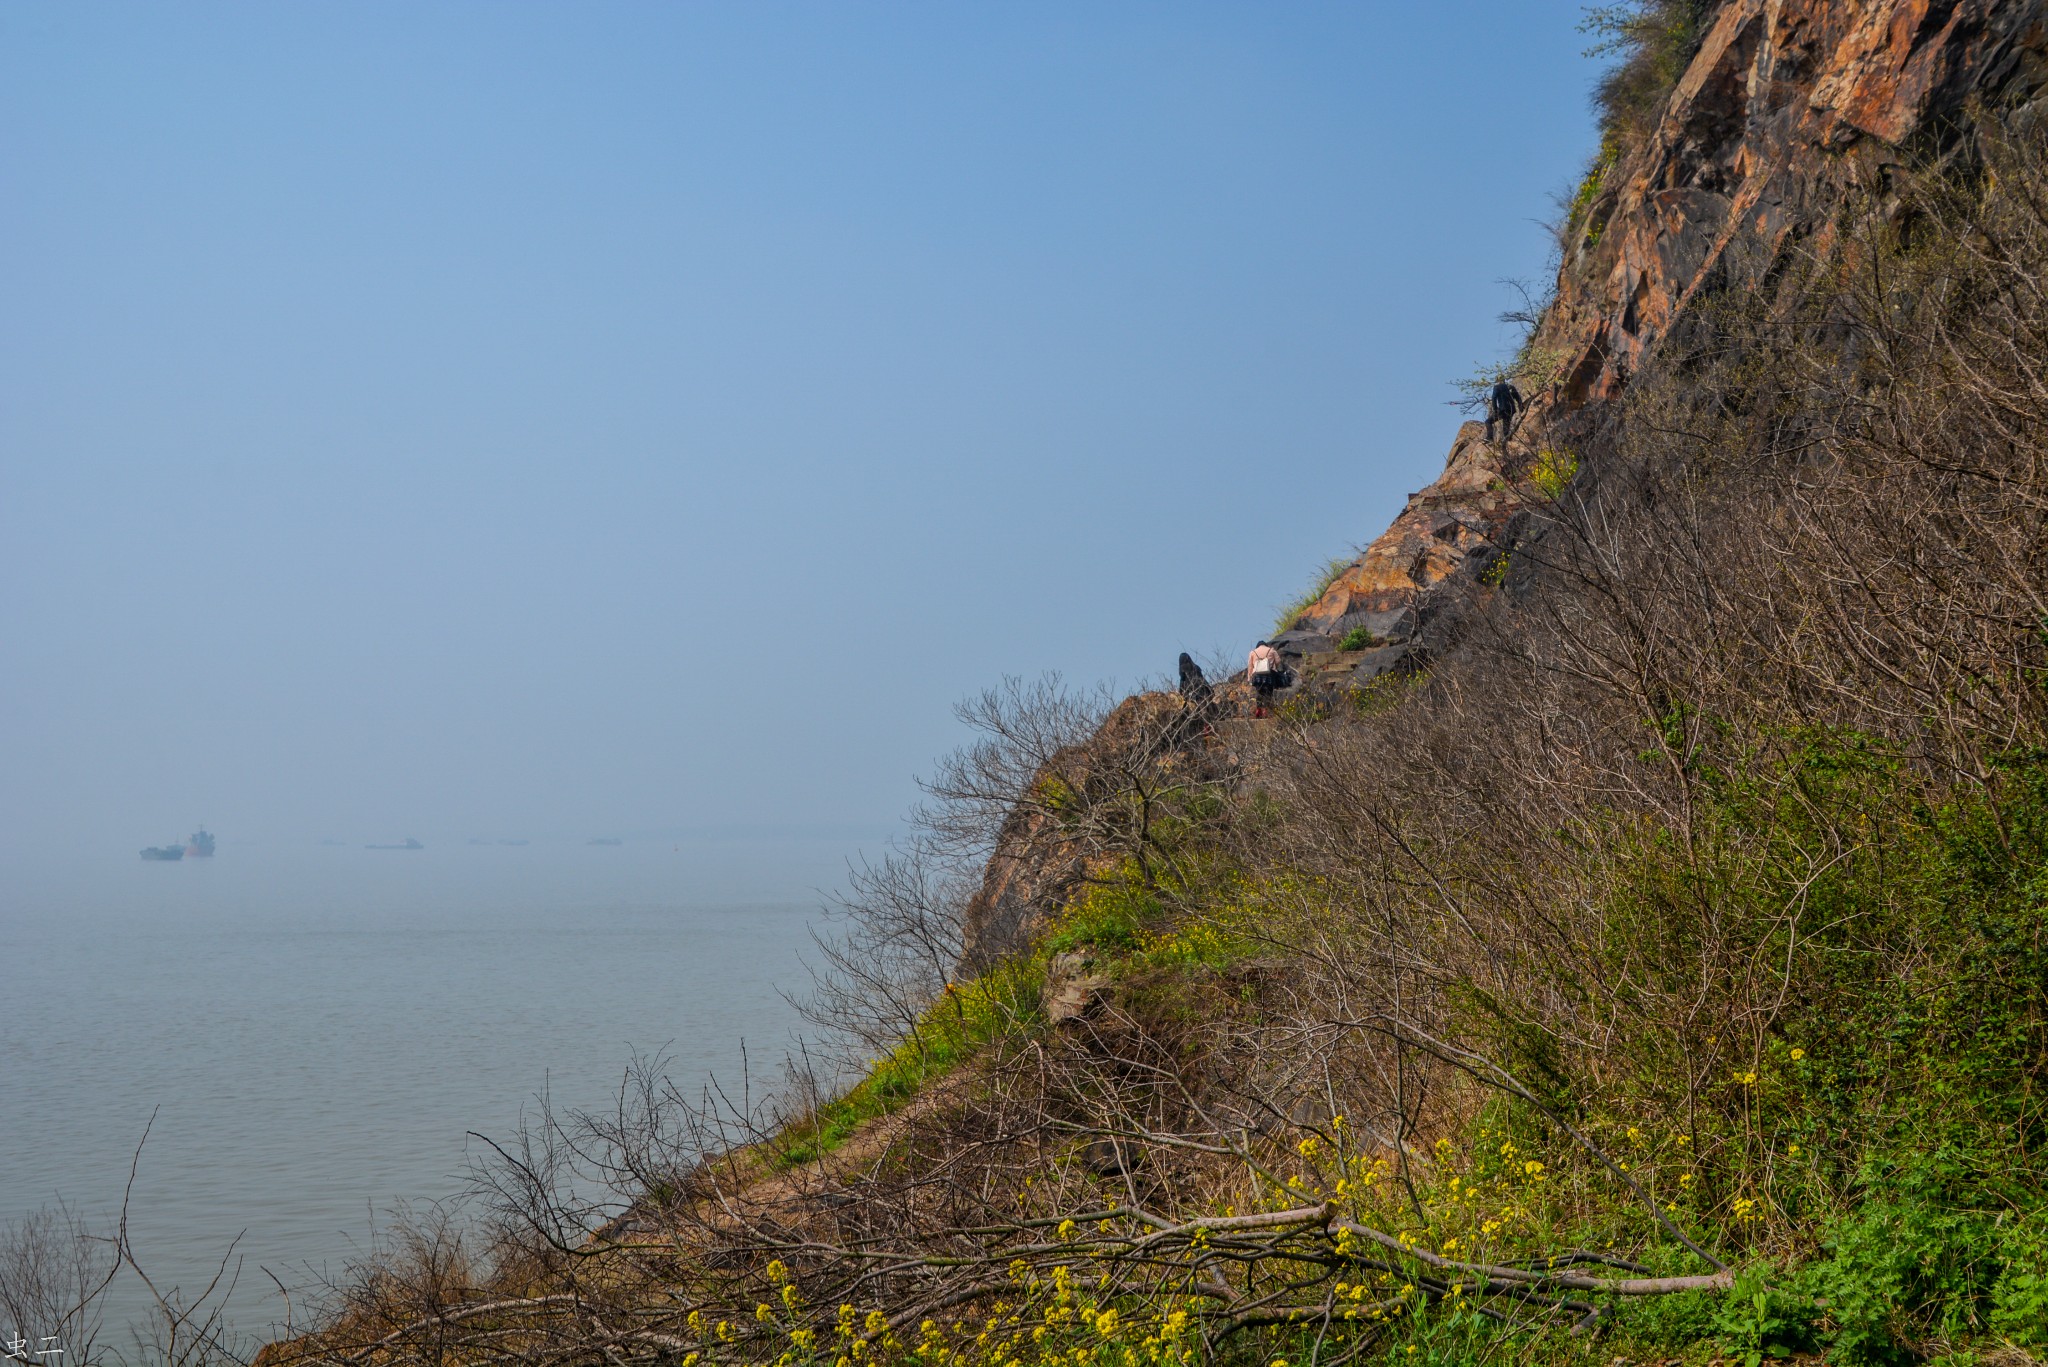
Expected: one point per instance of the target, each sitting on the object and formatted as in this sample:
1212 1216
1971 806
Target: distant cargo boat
410 844
165 852
199 845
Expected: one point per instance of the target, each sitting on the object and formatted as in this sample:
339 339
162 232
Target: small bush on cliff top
1653 42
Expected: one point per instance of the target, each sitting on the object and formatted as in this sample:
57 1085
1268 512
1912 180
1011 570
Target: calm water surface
317 1029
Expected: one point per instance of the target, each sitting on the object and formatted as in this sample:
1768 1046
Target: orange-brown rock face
1443 526
1785 106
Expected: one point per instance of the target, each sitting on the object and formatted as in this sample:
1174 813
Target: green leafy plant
1901 1266
2019 1300
1358 638
1756 1321
1577 223
1107 915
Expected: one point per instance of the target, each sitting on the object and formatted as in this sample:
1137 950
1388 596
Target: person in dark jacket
1193 686
1502 407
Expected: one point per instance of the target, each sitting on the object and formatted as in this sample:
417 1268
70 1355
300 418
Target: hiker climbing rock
1193 686
1502 406
1267 673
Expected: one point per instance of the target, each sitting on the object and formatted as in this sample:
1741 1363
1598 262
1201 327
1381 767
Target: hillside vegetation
1664 972
1657 969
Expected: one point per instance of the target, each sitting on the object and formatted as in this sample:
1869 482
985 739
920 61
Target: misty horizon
463 419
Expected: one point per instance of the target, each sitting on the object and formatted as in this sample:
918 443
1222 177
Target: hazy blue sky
444 418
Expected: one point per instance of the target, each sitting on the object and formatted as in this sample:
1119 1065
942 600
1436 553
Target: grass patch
1327 576
965 1020
1589 189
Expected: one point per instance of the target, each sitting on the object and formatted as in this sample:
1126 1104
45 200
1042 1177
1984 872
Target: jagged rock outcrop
1450 529
1071 985
1787 106
1442 527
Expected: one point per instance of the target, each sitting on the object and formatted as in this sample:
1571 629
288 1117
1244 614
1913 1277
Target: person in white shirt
1267 673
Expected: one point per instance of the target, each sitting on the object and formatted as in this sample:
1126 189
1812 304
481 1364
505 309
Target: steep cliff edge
1787 105
1786 108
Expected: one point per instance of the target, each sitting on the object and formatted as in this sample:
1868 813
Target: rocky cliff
1787 104
1785 108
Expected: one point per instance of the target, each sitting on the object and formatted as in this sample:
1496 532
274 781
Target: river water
317 1029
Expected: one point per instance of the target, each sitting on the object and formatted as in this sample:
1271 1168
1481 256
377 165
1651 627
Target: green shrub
1358 638
2019 1299
1757 1321
1669 1322
1653 42
1595 180
965 1020
1553 470
1107 915
1899 1268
